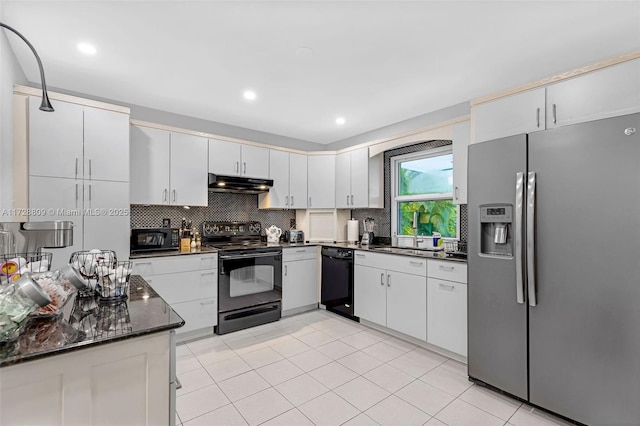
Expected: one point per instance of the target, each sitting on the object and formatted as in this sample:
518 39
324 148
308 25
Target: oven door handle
250 255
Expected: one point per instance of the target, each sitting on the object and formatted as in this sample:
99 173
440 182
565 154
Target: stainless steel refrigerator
554 269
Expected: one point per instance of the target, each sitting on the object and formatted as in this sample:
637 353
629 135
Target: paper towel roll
353 230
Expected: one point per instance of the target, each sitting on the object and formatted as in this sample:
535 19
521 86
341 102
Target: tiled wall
382 217
222 207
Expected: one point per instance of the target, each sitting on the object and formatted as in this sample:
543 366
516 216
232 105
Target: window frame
395 198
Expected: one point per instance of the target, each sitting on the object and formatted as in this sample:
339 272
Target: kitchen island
94 364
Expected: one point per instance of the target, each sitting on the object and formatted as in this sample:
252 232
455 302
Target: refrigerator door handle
518 237
531 245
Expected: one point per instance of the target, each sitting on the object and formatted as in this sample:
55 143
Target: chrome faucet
415 231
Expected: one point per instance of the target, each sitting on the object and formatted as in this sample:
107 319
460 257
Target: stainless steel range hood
243 185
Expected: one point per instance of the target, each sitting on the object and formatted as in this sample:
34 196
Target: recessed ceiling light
87 49
340 121
249 95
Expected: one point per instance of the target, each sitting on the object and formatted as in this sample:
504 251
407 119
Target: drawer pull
382 278
447 287
360 255
416 263
211 302
446 268
301 251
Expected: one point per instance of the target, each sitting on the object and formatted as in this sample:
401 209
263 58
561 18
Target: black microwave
154 239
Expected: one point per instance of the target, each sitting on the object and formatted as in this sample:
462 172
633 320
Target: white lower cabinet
299 278
447 306
189 283
386 293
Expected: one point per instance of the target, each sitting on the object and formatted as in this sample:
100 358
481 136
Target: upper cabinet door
149 160
461 136
106 145
297 181
111 231
520 113
55 140
359 178
278 195
608 92
224 157
321 184
255 162
189 180
343 180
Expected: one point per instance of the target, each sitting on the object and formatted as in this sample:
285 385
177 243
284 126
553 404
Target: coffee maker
367 235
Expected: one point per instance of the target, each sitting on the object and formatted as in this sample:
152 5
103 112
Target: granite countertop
87 323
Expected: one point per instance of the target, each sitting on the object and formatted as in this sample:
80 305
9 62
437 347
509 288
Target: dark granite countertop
86 323
165 253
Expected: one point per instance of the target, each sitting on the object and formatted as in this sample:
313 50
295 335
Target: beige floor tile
301 389
204 345
224 416
327 322
328 410
183 350
383 351
262 406
216 355
290 348
261 357
395 411
418 362
361 420
303 331
389 377
193 380
456 367
434 422
400 344
492 402
292 417
530 416
447 381
361 393
315 339
361 339
241 386
200 402
425 397
460 413
340 331
227 368
188 363
279 372
360 362
333 375
310 360
336 349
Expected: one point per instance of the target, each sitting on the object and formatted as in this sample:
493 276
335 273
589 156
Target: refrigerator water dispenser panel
496 224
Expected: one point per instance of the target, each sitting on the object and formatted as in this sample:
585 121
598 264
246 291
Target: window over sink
422 182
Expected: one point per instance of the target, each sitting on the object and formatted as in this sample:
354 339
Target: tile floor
317 368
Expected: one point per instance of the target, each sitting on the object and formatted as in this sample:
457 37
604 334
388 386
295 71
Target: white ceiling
374 63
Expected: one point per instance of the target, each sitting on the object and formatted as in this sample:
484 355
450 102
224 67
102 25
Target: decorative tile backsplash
382 217
222 206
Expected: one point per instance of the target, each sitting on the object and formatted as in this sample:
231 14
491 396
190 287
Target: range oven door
249 288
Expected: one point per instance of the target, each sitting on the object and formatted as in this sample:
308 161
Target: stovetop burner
232 235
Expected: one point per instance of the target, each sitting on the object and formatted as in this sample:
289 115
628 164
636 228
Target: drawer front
451 271
197 314
299 253
447 315
407 264
178 263
185 286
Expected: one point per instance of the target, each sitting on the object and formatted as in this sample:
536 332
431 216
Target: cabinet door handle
446 287
347 200
538 118
352 199
292 201
555 115
360 255
446 268
286 200
89 168
89 192
388 280
174 195
285 270
309 201
382 278
238 167
244 169
76 167
210 302
416 263
300 251
164 195
76 195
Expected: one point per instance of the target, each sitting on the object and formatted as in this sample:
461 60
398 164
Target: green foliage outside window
433 216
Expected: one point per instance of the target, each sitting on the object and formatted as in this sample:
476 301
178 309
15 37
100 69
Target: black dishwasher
336 291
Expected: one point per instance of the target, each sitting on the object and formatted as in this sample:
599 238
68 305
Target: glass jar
17 301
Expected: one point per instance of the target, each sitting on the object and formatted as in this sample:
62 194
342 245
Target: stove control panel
226 229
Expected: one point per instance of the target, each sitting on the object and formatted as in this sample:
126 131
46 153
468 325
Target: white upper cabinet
168 168
461 136
321 184
289 174
188 170
234 159
520 113
608 92
352 179
150 150
106 145
56 140
110 232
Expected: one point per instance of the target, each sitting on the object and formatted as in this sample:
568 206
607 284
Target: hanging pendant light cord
46 104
